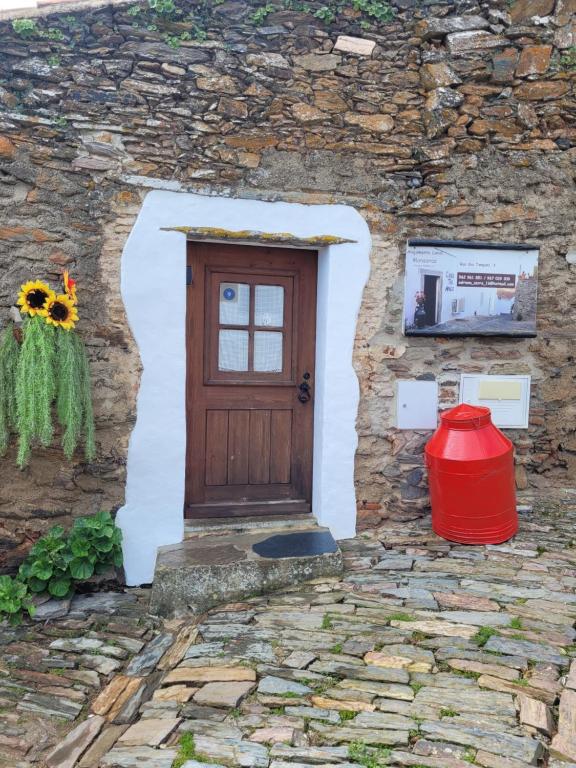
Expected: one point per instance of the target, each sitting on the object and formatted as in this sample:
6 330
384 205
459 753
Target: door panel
250 344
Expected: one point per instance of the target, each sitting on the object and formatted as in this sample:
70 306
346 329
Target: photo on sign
470 289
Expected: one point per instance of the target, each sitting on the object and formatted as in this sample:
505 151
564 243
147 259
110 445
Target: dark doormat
301 544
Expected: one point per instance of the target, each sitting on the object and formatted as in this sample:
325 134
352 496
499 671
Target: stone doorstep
227 525
207 571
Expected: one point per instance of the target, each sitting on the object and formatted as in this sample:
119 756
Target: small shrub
57 561
46 567
162 7
52 33
325 13
25 27
259 16
568 59
378 10
14 600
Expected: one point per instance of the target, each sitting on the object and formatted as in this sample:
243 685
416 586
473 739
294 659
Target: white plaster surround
154 291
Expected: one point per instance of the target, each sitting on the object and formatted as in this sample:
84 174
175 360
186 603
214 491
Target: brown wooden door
251 318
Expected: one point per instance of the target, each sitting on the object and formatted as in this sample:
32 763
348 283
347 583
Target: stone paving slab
422 653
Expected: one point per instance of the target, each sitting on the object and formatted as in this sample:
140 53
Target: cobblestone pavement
423 654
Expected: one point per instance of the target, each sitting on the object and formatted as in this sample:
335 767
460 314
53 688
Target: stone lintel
215 234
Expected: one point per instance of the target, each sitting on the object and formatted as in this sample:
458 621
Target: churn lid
466 416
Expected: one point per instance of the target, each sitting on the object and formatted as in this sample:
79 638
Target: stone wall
526 298
451 120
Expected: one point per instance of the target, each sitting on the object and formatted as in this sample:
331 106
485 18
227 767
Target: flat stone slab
138 757
535 651
522 748
199 675
203 572
223 694
232 752
278 686
150 732
66 754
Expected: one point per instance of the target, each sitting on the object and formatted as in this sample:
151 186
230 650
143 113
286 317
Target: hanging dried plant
74 394
9 351
35 387
50 370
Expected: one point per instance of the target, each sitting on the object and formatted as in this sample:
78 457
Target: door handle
304 391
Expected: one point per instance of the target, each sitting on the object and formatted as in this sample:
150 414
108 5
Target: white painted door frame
154 291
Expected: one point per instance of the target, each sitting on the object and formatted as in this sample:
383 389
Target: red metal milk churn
471 477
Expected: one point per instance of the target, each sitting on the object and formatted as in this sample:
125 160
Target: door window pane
269 305
267 351
234 304
233 350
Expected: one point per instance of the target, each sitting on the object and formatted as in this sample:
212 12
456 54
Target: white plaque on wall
417 405
508 397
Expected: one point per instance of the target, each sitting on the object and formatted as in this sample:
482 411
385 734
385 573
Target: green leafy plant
400 616
483 635
162 7
336 648
9 352
187 750
375 9
347 714
326 622
46 569
325 13
95 544
448 712
57 561
568 58
52 33
25 27
35 386
134 10
260 14
516 623
14 600
369 757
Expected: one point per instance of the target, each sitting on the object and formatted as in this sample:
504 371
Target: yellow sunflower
33 297
60 311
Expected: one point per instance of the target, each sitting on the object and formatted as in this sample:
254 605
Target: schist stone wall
453 120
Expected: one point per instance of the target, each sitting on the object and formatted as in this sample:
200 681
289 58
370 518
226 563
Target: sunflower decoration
33 297
61 311
45 374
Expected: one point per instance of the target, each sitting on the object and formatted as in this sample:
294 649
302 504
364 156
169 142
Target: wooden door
251 316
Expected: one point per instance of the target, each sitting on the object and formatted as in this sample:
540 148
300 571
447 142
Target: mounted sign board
470 289
508 397
417 405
